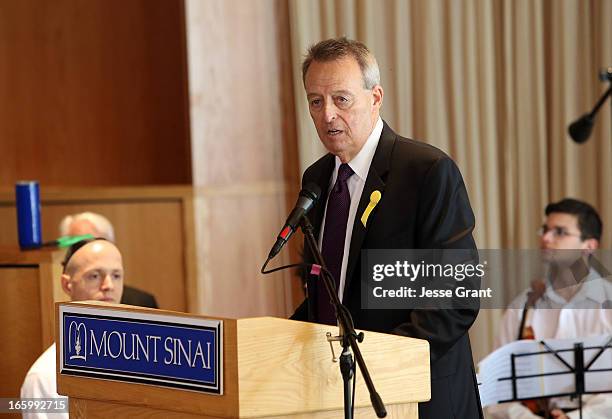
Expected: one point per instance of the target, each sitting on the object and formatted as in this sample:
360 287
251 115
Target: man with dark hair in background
571 303
421 203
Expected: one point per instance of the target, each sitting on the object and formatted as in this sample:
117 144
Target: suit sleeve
301 313
445 221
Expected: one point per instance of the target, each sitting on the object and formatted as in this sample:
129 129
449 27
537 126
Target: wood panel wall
153 228
244 152
28 315
94 92
21 346
97 93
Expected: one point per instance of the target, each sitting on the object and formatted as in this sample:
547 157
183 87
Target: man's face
560 235
95 272
343 110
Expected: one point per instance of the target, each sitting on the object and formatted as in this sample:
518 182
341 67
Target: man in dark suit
423 204
137 297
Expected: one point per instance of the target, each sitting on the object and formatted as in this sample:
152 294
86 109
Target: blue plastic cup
27 198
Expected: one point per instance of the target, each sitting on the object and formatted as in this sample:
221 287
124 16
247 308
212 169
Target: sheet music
495 370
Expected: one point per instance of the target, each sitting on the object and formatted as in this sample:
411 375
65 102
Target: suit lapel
375 181
322 181
323 174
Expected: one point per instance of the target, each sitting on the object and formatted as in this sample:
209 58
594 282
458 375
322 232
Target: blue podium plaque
146 348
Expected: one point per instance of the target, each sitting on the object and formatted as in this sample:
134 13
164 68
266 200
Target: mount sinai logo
77 340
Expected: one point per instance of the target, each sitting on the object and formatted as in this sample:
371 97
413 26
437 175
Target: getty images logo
77 333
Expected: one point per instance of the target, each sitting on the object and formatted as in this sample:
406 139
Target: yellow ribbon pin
374 199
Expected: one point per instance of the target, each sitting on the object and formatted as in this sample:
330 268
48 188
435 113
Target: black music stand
579 369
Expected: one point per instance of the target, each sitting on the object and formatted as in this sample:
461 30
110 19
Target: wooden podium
273 368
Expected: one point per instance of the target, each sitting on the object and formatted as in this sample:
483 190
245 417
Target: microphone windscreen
311 190
580 130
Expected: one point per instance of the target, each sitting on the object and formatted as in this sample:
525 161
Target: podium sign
144 348
271 368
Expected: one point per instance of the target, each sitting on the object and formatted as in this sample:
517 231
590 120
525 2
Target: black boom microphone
580 129
306 200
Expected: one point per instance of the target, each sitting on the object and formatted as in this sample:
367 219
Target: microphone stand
347 333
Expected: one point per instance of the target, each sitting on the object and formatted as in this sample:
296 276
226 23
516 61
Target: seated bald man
93 270
99 226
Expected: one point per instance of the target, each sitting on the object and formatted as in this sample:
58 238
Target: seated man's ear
66 284
591 245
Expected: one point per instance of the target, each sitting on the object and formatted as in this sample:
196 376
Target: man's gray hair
338 48
103 226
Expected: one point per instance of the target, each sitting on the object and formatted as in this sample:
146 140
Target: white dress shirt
40 382
361 166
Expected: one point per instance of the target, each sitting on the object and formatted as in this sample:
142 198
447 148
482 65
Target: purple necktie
334 232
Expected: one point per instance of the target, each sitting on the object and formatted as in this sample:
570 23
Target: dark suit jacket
424 205
135 297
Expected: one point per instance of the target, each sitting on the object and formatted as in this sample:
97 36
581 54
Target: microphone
580 129
306 200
